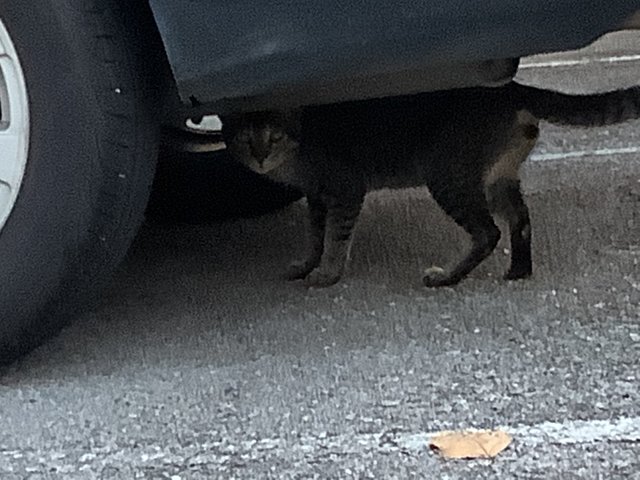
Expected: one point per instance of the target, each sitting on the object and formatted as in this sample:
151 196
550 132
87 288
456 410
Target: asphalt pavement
201 362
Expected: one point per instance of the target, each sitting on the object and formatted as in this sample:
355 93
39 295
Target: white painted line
571 432
602 152
581 61
220 452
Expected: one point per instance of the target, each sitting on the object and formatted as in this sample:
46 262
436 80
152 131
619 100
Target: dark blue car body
245 53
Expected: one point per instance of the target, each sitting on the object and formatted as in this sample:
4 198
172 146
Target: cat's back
401 117
370 116
395 141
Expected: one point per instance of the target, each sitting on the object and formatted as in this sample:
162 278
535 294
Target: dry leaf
470 444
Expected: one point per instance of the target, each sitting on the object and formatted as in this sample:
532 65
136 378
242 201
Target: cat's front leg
317 212
342 215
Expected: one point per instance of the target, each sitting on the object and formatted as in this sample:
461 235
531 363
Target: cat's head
262 141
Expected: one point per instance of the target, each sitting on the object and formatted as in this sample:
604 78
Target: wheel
197 188
78 141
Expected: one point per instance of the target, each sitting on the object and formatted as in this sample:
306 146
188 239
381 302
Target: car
90 89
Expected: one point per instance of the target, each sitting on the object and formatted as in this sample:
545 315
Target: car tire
92 137
199 188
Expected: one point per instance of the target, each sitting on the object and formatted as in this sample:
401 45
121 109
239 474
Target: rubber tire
199 188
92 156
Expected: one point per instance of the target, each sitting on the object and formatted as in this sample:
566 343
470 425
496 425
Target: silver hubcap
14 125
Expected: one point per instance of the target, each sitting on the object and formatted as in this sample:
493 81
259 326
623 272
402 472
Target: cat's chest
293 174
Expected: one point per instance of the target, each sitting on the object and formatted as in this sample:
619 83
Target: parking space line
602 152
572 432
581 61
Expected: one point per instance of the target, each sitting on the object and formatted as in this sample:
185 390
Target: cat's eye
276 137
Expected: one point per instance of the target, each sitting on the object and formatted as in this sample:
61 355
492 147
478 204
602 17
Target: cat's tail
580 110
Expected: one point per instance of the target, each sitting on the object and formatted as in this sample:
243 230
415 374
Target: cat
465 145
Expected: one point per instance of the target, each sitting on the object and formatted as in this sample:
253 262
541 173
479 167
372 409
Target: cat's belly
395 181
389 175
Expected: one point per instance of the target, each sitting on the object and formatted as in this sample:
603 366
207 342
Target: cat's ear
293 121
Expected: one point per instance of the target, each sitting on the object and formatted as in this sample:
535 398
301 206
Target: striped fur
465 145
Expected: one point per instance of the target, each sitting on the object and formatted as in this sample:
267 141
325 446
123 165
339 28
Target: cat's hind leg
504 196
317 212
467 205
505 199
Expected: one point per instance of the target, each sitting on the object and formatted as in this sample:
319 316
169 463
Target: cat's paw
437 277
319 278
518 273
298 270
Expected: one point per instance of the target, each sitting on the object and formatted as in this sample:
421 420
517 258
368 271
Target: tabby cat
465 145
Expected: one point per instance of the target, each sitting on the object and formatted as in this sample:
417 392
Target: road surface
202 363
